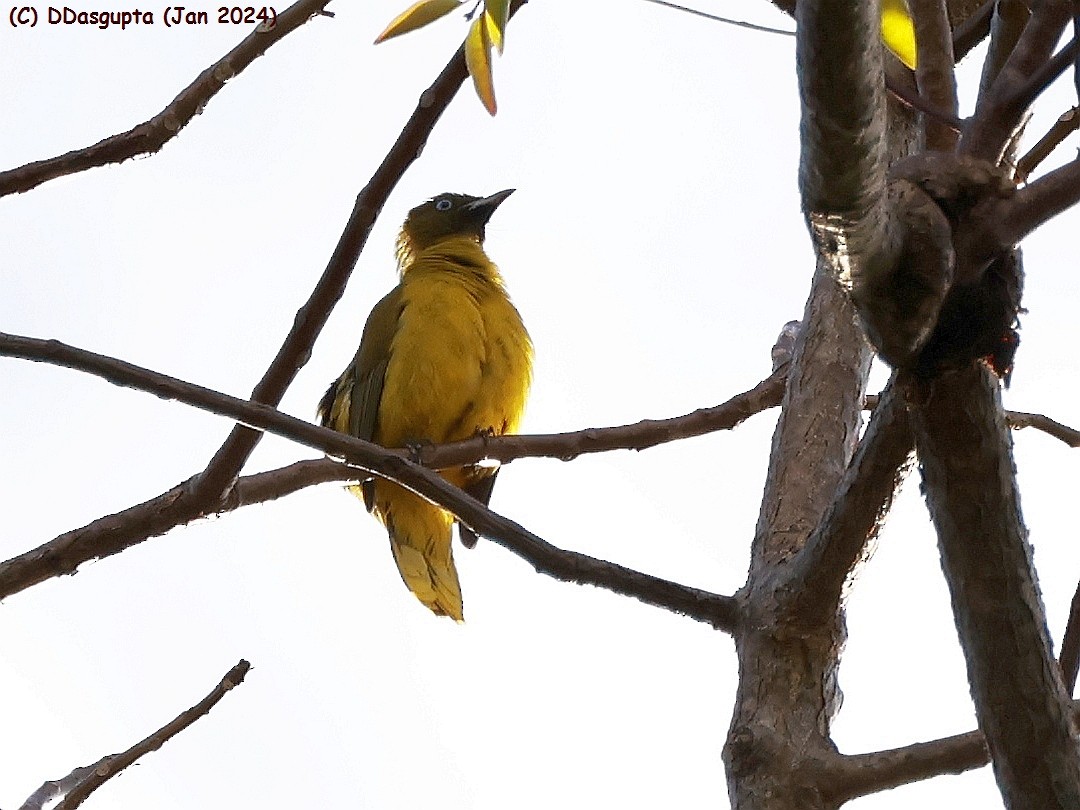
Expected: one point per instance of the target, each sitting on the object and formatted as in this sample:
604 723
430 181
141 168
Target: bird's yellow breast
460 358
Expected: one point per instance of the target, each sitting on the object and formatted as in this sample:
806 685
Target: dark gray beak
480 211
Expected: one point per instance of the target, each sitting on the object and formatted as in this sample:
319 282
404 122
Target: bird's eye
443 205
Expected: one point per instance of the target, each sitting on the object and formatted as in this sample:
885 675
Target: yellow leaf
416 16
496 14
478 59
898 31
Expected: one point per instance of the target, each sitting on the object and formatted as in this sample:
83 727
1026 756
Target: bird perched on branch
443 357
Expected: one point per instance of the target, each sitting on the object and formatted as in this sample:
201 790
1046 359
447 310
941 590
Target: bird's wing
368 368
351 404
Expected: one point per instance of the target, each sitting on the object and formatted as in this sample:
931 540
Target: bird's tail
420 539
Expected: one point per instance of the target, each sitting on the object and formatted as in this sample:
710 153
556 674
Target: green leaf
478 59
416 16
898 31
496 15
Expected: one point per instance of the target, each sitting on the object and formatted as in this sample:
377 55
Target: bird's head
447 215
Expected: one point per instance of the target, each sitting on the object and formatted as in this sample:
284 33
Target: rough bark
965 452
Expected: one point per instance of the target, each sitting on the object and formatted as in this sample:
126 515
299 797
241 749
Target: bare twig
94 776
150 136
1067 124
54 791
1019 420
911 97
861 774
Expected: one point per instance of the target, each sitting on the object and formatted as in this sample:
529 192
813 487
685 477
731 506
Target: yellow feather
449 357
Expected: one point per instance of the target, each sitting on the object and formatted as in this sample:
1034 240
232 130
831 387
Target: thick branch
842 163
787 679
830 365
856 514
934 74
110 766
965 454
152 135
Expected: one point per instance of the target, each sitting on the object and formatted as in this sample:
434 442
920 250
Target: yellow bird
444 356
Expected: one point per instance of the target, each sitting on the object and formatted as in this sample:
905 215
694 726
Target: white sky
654 248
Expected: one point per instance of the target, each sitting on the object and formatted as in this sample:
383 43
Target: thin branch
1065 126
860 774
113 533
1008 21
1019 420
721 612
150 136
1009 220
1002 103
54 791
566 446
639 436
110 766
934 74
911 97
312 317
973 30
270 485
100 538
966 37
1048 73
